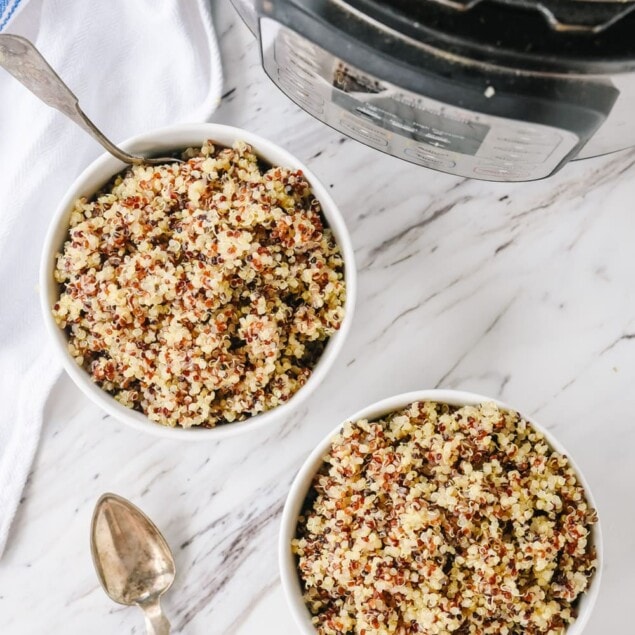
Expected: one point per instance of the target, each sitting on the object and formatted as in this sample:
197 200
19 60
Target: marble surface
523 292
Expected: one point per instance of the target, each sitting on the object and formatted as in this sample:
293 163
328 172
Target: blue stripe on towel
7 9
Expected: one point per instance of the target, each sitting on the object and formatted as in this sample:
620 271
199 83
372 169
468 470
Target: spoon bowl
133 561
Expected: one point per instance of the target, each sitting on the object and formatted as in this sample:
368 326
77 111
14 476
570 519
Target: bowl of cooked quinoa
439 512
201 298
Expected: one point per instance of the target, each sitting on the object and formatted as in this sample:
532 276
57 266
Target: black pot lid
565 16
586 36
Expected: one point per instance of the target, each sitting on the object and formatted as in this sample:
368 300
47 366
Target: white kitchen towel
8 11
134 66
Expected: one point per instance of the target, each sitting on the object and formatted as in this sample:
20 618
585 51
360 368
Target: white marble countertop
523 292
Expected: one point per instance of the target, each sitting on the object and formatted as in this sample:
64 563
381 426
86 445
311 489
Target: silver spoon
133 561
20 58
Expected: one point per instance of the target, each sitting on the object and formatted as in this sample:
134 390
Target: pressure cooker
502 90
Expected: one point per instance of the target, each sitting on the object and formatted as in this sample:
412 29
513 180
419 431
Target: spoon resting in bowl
21 59
133 561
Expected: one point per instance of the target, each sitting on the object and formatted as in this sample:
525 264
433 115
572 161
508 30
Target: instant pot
503 90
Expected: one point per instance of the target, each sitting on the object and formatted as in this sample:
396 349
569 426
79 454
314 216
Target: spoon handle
156 622
19 57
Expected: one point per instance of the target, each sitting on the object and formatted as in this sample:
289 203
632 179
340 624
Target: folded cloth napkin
134 66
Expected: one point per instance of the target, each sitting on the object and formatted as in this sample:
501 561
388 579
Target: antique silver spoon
133 561
20 58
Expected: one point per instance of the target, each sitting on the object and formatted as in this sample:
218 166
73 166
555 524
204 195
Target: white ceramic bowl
302 483
96 176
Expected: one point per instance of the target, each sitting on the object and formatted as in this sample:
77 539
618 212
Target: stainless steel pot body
469 116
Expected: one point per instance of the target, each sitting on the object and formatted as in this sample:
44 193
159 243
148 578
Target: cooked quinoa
200 293
438 519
